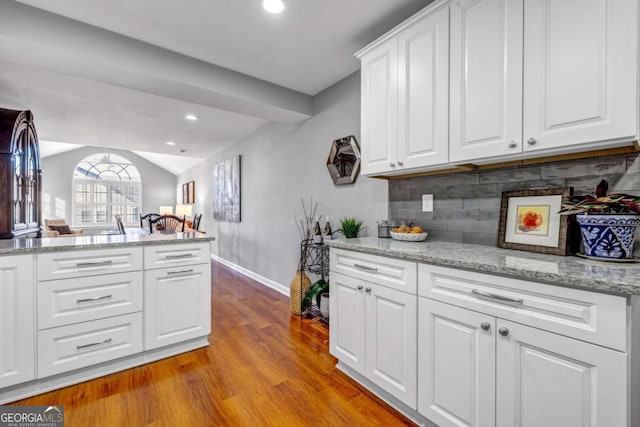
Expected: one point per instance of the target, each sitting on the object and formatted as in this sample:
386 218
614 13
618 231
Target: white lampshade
166 210
184 210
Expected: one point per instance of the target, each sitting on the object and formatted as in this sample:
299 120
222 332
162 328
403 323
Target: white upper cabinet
405 97
379 108
486 79
423 98
580 72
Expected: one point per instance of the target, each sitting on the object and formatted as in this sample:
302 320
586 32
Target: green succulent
350 227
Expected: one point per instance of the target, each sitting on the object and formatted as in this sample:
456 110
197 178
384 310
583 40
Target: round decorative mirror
344 160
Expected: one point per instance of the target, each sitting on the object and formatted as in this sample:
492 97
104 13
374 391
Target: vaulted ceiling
124 73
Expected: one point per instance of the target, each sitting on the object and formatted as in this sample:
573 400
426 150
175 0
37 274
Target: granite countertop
572 271
132 238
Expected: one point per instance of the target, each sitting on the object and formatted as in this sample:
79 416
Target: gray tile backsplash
467 205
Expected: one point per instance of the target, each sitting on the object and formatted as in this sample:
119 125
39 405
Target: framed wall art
226 190
529 220
189 192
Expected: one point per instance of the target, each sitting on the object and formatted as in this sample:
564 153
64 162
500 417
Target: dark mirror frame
344 160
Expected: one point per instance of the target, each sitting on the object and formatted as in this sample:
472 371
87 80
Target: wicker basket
297 290
409 237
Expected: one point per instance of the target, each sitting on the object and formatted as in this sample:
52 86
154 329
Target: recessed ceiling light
191 117
273 6
171 143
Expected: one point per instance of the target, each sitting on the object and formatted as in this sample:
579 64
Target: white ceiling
127 79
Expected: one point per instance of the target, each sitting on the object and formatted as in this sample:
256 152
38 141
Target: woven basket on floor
297 290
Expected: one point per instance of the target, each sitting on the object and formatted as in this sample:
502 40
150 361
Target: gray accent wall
158 185
282 163
467 205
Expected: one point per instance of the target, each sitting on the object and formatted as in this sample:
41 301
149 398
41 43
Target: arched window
105 185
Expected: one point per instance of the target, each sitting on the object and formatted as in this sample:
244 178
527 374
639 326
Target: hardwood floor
263 368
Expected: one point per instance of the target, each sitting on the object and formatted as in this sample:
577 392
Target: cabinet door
456 368
486 79
379 98
545 379
423 92
346 332
17 325
177 304
580 81
391 341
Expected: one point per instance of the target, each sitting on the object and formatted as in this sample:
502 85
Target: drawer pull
173 273
178 256
364 267
81 347
485 326
497 297
80 301
94 264
359 287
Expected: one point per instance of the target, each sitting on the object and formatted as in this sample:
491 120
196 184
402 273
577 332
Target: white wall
158 185
281 164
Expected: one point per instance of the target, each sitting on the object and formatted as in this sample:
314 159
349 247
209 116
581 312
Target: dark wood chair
196 222
167 223
145 219
120 225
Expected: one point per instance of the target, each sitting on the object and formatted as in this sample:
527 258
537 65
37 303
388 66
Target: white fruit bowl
409 237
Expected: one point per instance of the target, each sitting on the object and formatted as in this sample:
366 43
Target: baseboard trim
284 290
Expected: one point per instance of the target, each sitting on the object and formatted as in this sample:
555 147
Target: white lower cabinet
479 370
17 324
177 304
83 344
373 331
457 365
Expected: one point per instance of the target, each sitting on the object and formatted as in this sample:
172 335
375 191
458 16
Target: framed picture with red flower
529 220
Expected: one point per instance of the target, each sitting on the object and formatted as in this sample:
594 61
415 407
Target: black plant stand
314 259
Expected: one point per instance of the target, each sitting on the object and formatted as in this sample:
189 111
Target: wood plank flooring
263 368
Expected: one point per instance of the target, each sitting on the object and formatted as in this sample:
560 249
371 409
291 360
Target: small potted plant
607 222
350 227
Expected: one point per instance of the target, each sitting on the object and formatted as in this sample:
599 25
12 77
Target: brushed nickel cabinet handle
368 290
393 165
94 264
503 331
359 287
513 144
485 326
365 267
80 347
400 163
531 141
500 298
79 301
178 256
173 273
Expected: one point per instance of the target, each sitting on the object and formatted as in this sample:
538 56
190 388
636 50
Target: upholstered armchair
58 227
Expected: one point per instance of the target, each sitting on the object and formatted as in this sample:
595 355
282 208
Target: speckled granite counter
600 276
57 244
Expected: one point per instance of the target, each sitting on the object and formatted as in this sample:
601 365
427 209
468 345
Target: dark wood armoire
20 176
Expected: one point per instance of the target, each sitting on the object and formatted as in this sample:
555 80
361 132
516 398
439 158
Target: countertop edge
565 279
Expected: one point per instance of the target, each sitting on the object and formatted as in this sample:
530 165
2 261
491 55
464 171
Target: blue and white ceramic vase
608 235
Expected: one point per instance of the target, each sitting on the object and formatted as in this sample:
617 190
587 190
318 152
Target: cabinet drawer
390 272
176 255
588 316
66 265
63 302
75 346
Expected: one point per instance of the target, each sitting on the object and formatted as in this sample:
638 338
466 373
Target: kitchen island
457 334
76 308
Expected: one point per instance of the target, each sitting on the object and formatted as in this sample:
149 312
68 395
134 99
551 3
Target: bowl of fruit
409 234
